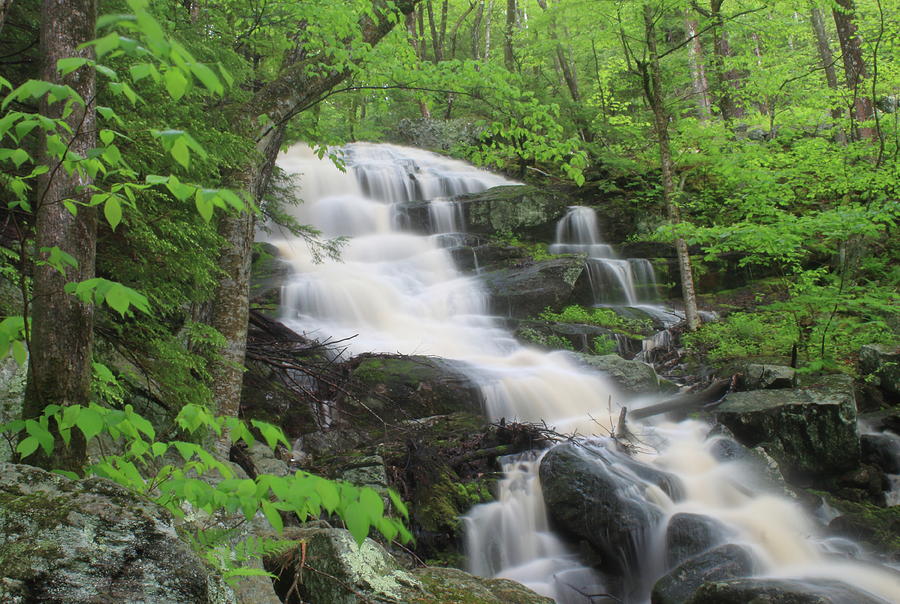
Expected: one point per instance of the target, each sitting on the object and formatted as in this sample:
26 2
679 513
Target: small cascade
397 291
885 447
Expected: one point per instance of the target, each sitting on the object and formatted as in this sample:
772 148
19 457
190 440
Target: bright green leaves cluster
117 296
146 465
12 339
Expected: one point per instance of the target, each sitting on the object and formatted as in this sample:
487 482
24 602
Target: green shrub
601 317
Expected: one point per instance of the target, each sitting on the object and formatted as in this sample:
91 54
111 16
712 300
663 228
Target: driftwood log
688 401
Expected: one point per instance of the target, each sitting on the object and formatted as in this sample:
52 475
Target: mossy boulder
724 562
525 291
397 388
781 591
811 432
632 377
522 210
335 570
92 541
882 363
688 535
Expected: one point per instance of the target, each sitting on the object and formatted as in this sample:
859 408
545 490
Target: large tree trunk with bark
652 83
727 80
861 108
62 327
827 59
699 82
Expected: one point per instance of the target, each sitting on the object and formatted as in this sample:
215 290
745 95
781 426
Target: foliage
743 335
601 317
185 478
538 250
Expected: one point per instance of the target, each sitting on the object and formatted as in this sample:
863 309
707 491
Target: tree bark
476 31
726 81
698 70
62 327
652 84
854 67
488 20
827 58
4 10
509 57
454 33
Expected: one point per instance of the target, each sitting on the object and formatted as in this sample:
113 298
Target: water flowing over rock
724 562
90 541
690 534
810 431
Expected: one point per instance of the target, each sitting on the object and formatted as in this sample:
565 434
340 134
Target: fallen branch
692 400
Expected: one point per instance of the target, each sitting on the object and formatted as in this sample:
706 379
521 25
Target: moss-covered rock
724 562
877 526
632 377
522 210
92 541
811 432
12 395
781 591
882 364
444 585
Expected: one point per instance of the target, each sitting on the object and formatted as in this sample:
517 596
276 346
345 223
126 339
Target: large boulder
396 388
688 535
518 209
754 376
811 432
524 291
92 541
781 591
333 569
597 493
632 377
883 364
724 562
12 394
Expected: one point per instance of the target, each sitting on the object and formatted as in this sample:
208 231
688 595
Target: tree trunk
827 58
476 31
488 20
435 38
652 84
509 58
4 10
454 33
62 326
726 81
698 70
854 67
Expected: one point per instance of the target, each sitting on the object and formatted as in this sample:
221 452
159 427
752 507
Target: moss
868 522
445 501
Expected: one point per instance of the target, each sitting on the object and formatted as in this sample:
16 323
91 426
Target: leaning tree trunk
827 59
62 326
854 67
652 84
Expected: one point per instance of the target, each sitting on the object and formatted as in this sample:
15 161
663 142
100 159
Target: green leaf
398 503
90 422
107 43
67 474
176 83
181 153
272 516
204 204
68 65
373 504
329 494
20 354
207 77
39 432
357 521
27 446
112 210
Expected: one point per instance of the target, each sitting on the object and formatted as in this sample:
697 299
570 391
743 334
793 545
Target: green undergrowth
600 317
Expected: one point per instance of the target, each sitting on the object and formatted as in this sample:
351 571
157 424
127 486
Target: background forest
137 145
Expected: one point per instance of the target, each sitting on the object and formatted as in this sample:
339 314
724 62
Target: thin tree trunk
454 33
854 67
488 20
435 38
698 70
509 58
726 81
476 31
443 32
62 327
827 58
652 83
418 45
4 10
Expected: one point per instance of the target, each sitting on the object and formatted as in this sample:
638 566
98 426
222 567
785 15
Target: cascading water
400 292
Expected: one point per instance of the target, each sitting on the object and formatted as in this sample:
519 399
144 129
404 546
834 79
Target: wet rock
881 450
809 431
690 534
598 494
763 377
92 541
883 364
518 209
396 388
632 377
267 274
525 291
338 571
781 591
724 562
763 472
265 461
367 471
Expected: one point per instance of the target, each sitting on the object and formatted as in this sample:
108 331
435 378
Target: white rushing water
400 292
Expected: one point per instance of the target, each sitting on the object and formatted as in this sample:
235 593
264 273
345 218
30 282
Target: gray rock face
12 394
781 591
597 494
810 431
633 377
338 571
762 377
882 362
724 562
517 209
690 534
527 290
882 450
92 541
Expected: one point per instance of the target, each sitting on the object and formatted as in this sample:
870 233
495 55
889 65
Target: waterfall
400 292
